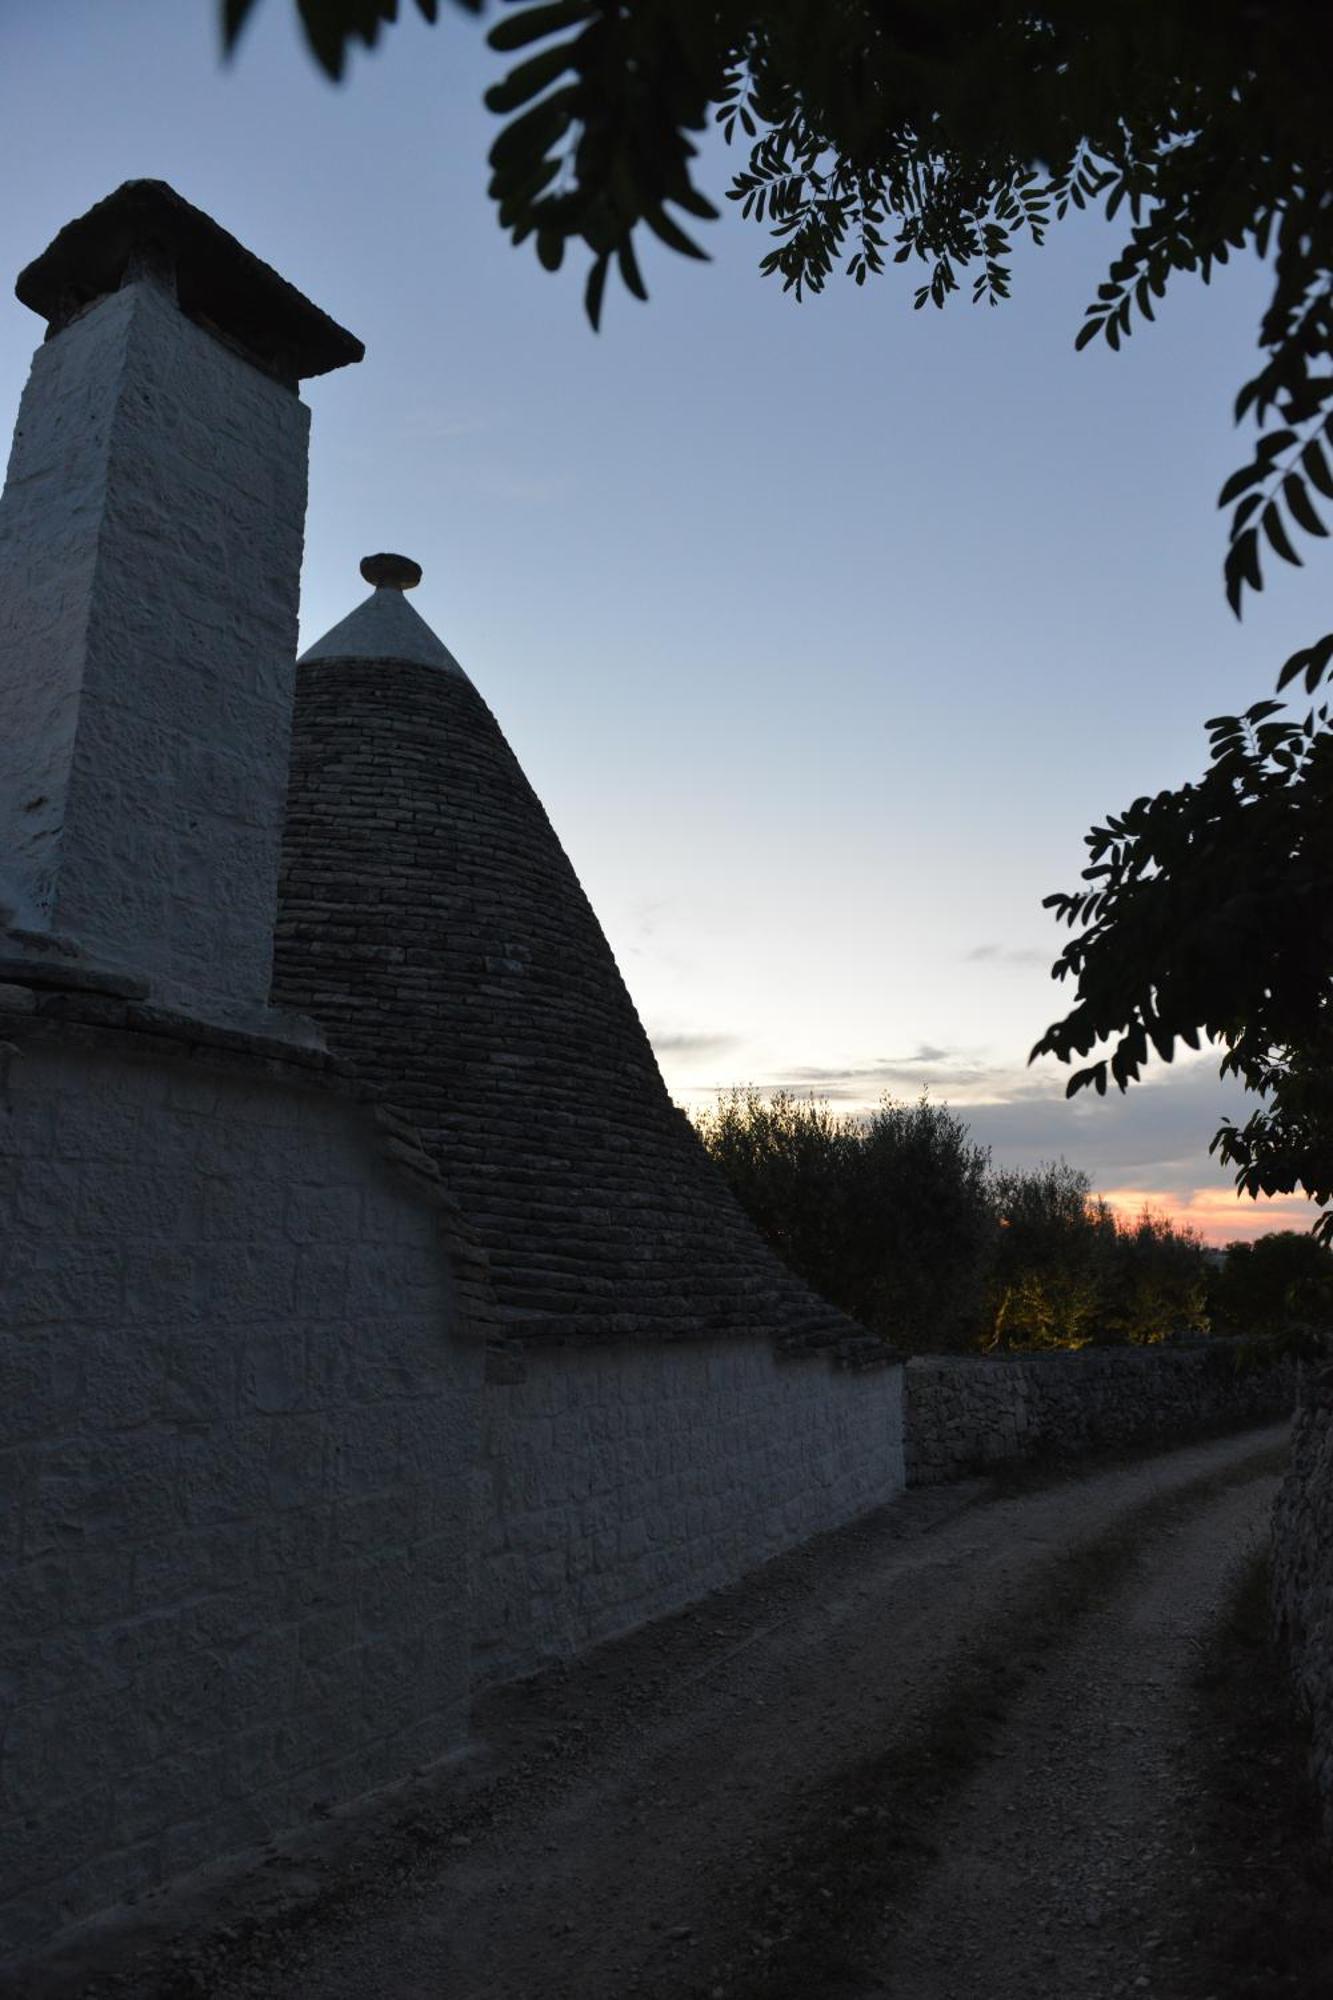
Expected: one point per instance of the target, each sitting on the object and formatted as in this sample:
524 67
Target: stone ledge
859 1354
506 1363
101 1025
85 998
168 1021
862 1355
219 283
94 1022
69 976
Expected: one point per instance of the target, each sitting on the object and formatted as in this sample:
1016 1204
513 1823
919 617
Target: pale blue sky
823 632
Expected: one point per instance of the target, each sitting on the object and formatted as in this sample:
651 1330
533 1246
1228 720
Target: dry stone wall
969 1414
238 1421
1303 1570
621 1483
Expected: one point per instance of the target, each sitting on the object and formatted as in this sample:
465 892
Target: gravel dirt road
944 1754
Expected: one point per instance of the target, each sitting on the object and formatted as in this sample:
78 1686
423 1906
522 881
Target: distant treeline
900 1219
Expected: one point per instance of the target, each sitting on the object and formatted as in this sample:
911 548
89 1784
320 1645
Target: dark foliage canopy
898 1219
1276 1284
955 124
934 134
889 1217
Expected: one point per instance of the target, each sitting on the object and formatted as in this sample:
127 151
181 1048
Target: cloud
644 917
1143 1147
1154 1136
651 928
999 954
698 1046
930 1068
1147 1146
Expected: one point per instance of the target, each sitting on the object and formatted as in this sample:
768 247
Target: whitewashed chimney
150 556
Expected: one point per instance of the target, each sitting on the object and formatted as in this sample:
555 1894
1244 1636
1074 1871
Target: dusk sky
824 633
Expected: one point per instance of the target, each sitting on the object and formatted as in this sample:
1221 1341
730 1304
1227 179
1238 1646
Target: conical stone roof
431 921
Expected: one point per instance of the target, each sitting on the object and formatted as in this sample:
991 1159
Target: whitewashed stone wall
237 1431
621 1482
1303 1571
966 1414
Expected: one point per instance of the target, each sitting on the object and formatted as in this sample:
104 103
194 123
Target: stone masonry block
318 1214
273 1371
164 1794
297 1462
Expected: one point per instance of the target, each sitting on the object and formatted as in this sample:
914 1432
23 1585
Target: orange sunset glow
1219 1215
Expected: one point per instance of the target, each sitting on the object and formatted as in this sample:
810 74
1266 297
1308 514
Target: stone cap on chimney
146 225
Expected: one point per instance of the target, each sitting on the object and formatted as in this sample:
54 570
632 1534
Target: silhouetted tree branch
935 134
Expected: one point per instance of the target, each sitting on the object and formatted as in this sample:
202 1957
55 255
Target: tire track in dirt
925 1824
1064 1865
739 1801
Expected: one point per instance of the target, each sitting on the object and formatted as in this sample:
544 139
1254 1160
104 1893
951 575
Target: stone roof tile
510 1042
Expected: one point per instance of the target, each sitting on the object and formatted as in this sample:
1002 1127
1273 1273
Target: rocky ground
989 1743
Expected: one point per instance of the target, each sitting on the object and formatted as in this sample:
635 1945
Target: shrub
1067 1272
1273 1285
1044 1286
1155 1282
898 1219
888 1217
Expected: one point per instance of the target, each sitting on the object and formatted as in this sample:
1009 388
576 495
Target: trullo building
372 1324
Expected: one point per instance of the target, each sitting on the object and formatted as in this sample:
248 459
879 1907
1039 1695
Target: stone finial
384 626
388 572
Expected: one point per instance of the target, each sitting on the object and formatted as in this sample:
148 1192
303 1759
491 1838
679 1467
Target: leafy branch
1207 914
934 135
